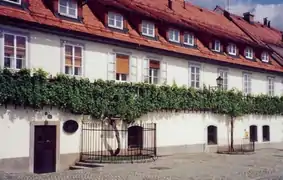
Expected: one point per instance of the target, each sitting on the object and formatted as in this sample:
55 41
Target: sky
273 9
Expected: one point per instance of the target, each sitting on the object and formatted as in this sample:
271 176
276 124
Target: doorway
44 149
135 137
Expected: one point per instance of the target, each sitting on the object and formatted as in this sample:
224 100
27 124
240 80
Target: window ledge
155 38
233 56
190 46
125 30
77 20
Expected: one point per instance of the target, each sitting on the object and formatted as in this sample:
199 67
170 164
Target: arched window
211 135
253 133
135 137
265 133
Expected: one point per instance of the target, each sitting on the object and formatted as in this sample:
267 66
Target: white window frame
214 47
9 1
146 25
174 38
115 15
189 36
225 79
67 9
249 53
73 59
247 90
232 47
14 63
196 66
265 57
270 86
120 75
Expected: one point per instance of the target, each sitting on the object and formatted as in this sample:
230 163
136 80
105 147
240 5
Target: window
211 135
232 49
14 51
13 1
174 35
189 39
249 53
148 29
68 8
253 133
265 57
195 76
154 70
115 20
270 82
247 83
73 59
224 74
265 133
216 46
122 67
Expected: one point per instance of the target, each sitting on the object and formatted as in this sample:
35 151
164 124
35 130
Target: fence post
155 153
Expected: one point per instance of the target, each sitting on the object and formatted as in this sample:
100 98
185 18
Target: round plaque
70 126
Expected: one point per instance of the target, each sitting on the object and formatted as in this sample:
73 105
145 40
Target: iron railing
102 143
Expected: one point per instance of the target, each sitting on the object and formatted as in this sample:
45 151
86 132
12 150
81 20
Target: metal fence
244 147
101 142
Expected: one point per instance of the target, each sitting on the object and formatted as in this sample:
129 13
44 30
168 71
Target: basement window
13 1
68 8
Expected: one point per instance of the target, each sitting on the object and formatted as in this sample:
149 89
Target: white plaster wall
45 52
178 129
15 131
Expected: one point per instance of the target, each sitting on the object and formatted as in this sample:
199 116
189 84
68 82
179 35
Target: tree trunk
117 135
232 134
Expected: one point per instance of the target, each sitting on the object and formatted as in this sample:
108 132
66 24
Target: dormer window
232 49
115 20
216 46
265 57
68 8
148 29
249 53
174 35
13 1
189 39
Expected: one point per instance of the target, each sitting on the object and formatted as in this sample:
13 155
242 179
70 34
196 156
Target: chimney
170 4
268 24
184 4
265 21
249 17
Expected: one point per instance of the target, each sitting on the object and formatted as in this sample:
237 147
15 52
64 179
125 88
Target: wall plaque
70 126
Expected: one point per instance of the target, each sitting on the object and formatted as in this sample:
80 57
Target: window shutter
237 51
221 48
111 66
133 69
210 45
145 70
163 77
195 40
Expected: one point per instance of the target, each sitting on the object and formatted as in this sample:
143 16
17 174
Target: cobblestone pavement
263 165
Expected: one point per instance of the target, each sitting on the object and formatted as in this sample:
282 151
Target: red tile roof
191 17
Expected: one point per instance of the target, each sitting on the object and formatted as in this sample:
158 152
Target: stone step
78 167
87 164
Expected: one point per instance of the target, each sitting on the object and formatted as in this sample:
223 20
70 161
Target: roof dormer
67 9
115 20
16 3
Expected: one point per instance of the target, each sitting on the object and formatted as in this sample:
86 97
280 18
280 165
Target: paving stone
263 165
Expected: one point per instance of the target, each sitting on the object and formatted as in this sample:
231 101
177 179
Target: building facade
137 42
